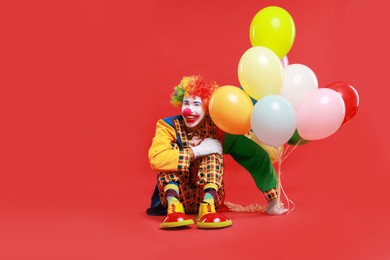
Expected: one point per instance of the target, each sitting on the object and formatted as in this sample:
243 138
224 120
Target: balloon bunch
279 102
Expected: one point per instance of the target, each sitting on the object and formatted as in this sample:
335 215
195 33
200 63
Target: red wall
82 84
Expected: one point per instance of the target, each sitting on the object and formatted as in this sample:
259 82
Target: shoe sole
207 225
176 224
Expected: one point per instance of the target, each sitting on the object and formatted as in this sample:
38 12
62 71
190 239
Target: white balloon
273 120
299 81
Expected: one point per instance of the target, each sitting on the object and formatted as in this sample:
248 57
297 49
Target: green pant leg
253 158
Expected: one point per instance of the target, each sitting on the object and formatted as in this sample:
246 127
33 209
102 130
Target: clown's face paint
192 111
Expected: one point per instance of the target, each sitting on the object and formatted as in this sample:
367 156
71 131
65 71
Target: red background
83 82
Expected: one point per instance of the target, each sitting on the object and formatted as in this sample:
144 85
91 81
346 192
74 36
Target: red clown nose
187 112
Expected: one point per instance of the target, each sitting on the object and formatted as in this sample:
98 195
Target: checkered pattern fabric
191 188
200 172
184 160
179 127
271 194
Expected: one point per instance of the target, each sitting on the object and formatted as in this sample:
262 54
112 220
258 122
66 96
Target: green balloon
296 138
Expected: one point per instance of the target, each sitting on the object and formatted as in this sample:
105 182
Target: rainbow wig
193 86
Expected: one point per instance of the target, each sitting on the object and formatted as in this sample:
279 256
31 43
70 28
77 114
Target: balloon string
285 151
259 208
284 156
280 186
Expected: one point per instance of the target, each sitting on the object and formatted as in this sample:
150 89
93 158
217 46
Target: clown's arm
163 155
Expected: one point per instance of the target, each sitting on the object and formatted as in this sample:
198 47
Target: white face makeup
192 111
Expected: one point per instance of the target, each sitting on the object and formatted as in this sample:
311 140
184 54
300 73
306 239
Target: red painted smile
191 118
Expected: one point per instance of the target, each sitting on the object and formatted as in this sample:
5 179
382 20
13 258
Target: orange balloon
230 109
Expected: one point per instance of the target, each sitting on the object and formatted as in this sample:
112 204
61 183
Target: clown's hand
206 147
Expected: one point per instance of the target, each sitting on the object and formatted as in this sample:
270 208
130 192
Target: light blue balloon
273 120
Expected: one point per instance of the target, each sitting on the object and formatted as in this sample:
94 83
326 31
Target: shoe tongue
208 201
173 200
174 206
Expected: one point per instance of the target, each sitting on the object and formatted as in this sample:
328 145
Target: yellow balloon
260 72
275 153
230 109
274 28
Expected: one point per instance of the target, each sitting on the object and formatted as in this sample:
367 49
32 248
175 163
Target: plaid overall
202 171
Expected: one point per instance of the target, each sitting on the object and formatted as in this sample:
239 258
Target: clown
187 154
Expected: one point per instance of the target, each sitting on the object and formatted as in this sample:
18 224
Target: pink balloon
320 114
285 61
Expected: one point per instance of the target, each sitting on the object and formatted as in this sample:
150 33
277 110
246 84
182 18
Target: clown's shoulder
170 120
164 152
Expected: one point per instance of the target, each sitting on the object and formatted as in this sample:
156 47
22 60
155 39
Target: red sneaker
175 216
209 218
